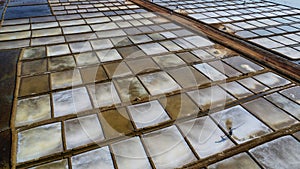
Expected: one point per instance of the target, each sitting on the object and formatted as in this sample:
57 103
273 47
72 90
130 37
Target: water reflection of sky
293 3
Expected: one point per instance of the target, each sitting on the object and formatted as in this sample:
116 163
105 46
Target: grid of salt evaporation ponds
265 23
147 73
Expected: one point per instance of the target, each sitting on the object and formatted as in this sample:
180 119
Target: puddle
280 153
15 36
34 67
279 118
272 80
104 94
148 114
168 148
34 85
79 47
245 127
188 77
108 55
210 72
253 85
121 41
71 102
171 46
82 131
27 2
93 159
101 44
188 57
242 64
171 60
38 142
201 54
203 134
236 90
57 50
65 79
239 161
199 41
285 104
93 74
33 110
159 83
211 97
46 32
297 135
140 39
115 70
115 123
131 89
179 106
84 59
142 65
34 53
224 68
183 43
131 52
130 153
153 48
79 29
292 93
61 63
16 12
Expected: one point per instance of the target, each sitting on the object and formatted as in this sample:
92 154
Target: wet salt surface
272 80
236 90
285 104
224 68
171 60
273 116
104 94
130 89
33 146
204 135
280 153
168 148
93 159
32 110
188 77
115 123
210 72
243 64
61 63
153 48
82 131
148 114
71 102
211 97
159 83
65 79
245 126
130 154
292 93
239 161
253 85
179 105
